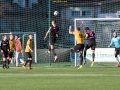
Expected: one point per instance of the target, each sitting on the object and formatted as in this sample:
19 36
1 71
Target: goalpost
103 28
24 37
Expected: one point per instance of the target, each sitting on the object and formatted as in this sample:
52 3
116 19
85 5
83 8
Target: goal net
103 28
24 38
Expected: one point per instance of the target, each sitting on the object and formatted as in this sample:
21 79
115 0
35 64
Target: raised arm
47 33
70 28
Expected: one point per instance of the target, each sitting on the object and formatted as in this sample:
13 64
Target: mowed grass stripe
48 75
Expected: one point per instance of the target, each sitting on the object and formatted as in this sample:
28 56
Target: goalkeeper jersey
115 41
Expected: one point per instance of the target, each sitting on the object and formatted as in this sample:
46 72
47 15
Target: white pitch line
48 75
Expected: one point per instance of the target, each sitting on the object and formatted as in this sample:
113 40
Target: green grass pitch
59 76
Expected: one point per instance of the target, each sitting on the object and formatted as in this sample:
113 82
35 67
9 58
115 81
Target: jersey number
80 35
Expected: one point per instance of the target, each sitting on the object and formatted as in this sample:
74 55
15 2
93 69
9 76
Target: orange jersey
79 36
29 42
12 45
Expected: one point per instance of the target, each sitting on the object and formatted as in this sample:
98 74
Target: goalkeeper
116 42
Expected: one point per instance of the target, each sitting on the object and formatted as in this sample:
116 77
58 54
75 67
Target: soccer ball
56 13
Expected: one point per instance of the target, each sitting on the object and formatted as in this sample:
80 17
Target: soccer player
28 51
5 49
12 47
115 41
53 30
90 35
18 48
80 43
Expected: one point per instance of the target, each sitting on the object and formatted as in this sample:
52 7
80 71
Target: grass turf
59 76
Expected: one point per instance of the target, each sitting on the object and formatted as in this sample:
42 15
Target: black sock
26 62
53 52
81 62
30 62
93 56
84 54
3 64
7 63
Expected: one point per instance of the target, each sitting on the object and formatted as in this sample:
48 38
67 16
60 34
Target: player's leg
81 55
52 41
10 54
85 51
75 49
4 60
49 49
116 55
93 53
30 61
17 58
21 60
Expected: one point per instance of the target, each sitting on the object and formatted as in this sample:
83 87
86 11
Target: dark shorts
52 40
78 47
91 45
28 54
117 51
5 54
10 54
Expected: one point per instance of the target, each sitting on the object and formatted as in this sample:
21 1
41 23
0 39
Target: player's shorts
5 54
91 45
28 54
117 51
78 47
10 54
52 40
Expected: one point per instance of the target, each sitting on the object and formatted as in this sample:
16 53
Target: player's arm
30 48
1 46
111 43
70 30
86 36
47 33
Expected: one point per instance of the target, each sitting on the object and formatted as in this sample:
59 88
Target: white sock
21 61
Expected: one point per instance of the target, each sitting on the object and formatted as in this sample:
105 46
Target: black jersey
53 31
5 45
91 35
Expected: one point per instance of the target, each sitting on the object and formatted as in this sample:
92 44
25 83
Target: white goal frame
99 19
35 44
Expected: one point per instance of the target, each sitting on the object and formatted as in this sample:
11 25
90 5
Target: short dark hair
78 28
86 28
17 35
3 35
54 21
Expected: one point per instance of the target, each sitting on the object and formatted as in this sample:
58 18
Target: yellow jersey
79 36
12 45
29 43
